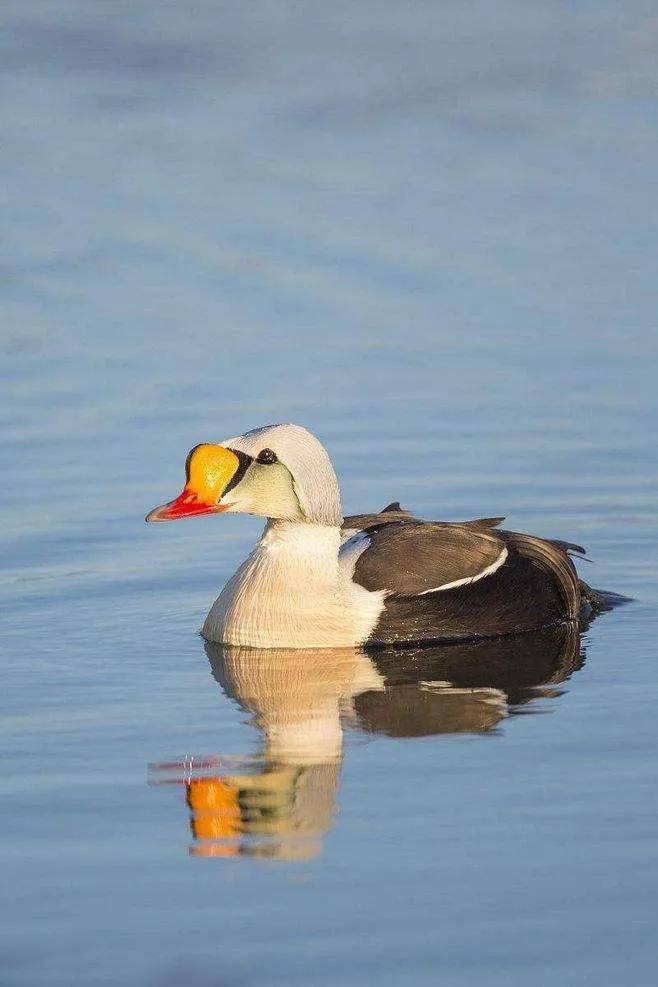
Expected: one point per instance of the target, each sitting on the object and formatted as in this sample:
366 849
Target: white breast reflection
280 801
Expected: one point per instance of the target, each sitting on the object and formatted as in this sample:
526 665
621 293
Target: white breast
293 591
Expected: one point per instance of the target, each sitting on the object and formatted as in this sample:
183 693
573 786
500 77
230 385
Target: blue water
428 233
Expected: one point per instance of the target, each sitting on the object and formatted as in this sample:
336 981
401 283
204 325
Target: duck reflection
281 802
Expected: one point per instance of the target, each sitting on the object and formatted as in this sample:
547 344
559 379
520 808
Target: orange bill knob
209 470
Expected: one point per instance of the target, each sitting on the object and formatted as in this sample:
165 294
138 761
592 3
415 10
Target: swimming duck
318 580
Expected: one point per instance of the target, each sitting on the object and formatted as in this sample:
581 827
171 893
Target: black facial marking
189 460
245 463
266 457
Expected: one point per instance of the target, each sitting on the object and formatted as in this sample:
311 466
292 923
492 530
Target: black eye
266 457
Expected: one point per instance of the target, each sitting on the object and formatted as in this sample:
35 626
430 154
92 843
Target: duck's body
302 588
315 580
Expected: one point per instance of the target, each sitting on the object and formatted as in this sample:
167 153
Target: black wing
394 512
388 514
410 558
507 582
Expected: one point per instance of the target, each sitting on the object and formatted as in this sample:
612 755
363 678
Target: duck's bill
188 504
210 471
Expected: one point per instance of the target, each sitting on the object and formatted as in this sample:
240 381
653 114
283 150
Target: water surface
426 232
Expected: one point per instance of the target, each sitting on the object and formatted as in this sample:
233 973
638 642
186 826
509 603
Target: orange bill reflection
259 809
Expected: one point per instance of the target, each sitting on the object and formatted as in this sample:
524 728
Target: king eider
318 580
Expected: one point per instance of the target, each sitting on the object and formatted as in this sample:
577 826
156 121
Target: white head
278 471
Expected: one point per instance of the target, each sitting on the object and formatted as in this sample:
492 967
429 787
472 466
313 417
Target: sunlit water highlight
425 232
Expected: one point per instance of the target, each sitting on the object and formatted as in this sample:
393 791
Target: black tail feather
601 600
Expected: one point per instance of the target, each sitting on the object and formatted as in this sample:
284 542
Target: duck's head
278 471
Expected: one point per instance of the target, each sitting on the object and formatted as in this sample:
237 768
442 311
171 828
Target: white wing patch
496 564
366 605
352 547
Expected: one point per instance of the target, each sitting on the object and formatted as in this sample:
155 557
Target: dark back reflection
281 801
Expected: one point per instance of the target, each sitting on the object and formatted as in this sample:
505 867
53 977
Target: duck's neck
286 593
303 543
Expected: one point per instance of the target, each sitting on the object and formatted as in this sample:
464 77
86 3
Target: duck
317 579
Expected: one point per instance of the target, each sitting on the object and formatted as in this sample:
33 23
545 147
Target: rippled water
428 233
